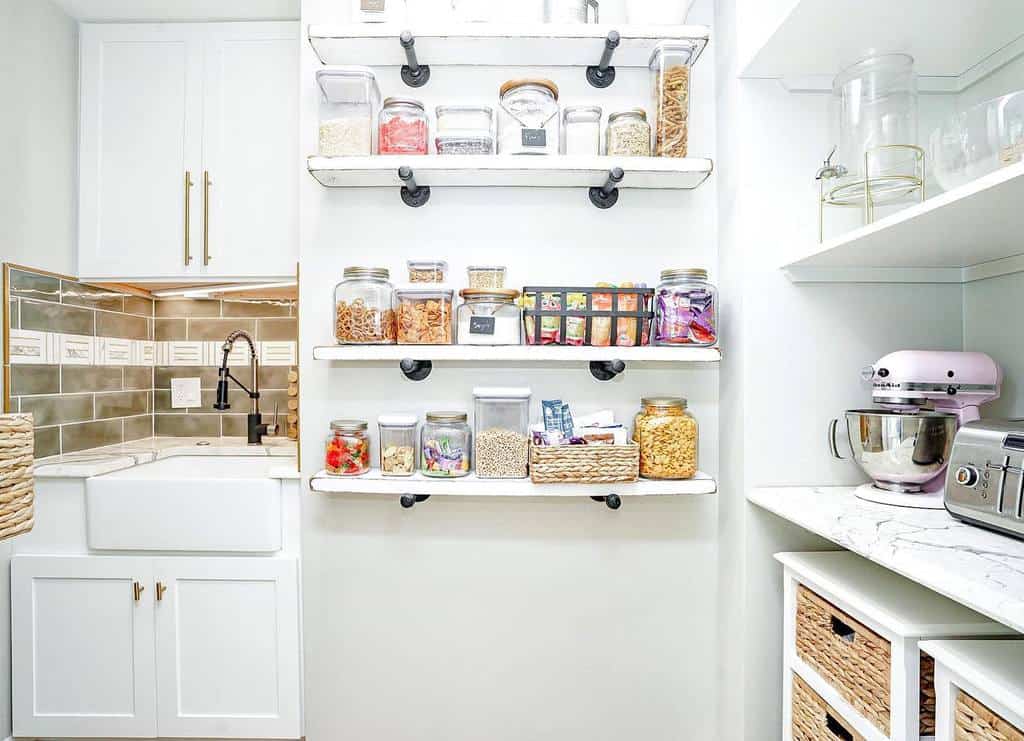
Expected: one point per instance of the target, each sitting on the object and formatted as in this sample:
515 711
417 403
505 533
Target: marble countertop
978 568
112 458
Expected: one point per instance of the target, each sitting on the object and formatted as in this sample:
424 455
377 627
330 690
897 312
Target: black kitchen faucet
256 428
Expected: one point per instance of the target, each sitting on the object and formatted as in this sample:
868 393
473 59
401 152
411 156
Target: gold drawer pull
137 590
188 215
160 589
206 216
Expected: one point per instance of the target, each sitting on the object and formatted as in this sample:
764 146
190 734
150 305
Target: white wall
506 619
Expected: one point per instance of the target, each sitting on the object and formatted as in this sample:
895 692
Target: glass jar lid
528 82
348 425
350 84
631 113
689 49
355 271
501 295
582 114
411 102
664 402
486 268
447 417
501 392
443 110
397 420
427 265
676 273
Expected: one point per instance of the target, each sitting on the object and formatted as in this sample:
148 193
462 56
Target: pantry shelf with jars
515 353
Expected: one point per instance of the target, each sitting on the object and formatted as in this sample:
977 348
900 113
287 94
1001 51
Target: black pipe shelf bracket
413 194
607 195
415 370
606 370
612 501
408 501
602 74
415 74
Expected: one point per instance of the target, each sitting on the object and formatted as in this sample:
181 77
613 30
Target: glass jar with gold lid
667 436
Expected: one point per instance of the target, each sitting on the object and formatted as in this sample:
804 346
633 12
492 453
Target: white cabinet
124 647
82 647
188 150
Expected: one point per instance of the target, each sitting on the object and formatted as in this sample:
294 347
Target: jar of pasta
364 313
347 452
667 436
670 79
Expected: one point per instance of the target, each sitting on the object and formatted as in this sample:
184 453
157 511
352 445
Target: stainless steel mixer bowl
900 451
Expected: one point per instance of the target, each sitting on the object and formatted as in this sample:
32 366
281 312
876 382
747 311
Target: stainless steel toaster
985 478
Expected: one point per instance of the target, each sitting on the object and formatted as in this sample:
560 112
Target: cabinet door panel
82 647
141 107
228 648
250 148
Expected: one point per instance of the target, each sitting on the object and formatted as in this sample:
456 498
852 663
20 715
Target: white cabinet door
82 647
251 149
141 118
227 641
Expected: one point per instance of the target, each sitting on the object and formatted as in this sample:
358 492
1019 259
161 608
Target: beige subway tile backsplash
123 325
253 308
44 317
187 425
170 329
122 404
277 329
47 441
81 378
91 297
138 378
218 329
35 379
56 410
187 307
137 428
90 435
34 285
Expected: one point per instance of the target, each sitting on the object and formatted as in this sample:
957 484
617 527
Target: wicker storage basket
17 480
814 719
927 709
849 656
975 722
584 464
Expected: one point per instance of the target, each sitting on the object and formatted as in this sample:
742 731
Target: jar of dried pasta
670 76
667 436
364 313
424 314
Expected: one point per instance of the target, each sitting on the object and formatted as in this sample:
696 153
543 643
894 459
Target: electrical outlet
185 392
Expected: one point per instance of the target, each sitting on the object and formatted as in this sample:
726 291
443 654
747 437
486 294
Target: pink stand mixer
925 397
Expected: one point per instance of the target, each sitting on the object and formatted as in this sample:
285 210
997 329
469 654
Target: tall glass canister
501 420
397 444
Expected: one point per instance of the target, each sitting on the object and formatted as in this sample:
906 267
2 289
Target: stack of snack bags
559 428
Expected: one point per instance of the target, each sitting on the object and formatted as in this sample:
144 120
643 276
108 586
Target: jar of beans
347 452
403 127
628 134
667 436
364 312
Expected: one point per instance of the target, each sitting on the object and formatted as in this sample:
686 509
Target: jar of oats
364 312
667 436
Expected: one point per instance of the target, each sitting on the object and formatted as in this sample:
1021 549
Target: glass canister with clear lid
427 271
528 120
685 309
347 450
403 127
424 314
489 316
670 78
667 436
464 129
397 444
364 312
501 432
628 134
486 276
349 98
581 130
445 445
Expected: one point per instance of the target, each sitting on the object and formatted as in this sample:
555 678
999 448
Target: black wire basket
562 315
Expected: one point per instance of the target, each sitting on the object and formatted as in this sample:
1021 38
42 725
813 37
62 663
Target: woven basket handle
836 728
844 631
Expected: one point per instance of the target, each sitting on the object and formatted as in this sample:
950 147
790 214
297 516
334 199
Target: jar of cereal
667 436
347 449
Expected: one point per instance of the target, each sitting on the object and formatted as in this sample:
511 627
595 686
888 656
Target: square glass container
397 444
670 81
349 99
501 434
424 314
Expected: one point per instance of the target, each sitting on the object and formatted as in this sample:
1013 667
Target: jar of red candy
348 448
403 127
685 311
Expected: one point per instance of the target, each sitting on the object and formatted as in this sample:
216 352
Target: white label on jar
535 138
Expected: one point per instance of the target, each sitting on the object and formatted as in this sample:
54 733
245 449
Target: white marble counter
99 461
978 568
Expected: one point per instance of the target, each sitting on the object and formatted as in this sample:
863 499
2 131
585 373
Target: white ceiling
180 10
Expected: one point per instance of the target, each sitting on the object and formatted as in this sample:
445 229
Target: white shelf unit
806 42
509 171
497 44
969 233
515 353
471 486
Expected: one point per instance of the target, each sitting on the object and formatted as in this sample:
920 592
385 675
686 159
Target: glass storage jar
501 432
364 311
464 129
628 134
427 271
570 11
489 316
670 77
349 98
397 444
581 130
486 276
445 445
685 311
403 127
424 315
667 436
528 119
347 451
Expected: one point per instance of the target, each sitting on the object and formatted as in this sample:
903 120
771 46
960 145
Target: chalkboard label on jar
535 138
481 325
372 6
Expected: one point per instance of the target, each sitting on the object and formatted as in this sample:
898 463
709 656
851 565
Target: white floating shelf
806 42
471 486
381 171
967 234
526 353
495 44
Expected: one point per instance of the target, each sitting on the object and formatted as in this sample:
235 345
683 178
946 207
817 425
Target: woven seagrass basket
17 480
975 722
584 464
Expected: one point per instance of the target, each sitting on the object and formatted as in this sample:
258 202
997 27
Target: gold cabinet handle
160 589
188 215
137 590
206 216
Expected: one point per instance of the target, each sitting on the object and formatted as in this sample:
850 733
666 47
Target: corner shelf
515 353
969 233
496 44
